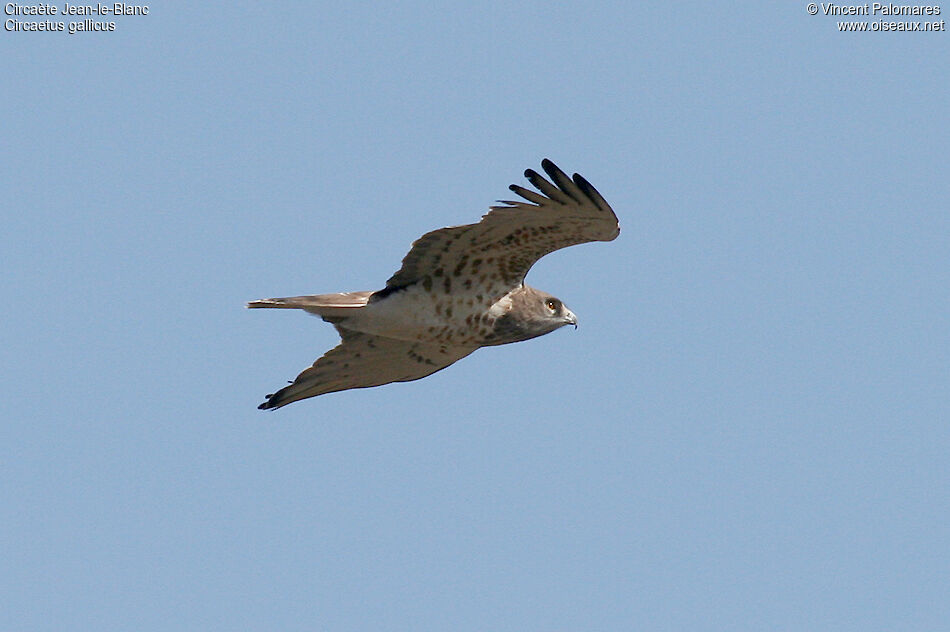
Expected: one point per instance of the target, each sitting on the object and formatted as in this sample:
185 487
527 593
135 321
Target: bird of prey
459 289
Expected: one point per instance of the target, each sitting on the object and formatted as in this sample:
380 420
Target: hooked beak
571 318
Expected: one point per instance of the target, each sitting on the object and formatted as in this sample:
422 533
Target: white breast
415 314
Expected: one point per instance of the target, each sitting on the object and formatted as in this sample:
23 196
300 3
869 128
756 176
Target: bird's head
528 313
554 312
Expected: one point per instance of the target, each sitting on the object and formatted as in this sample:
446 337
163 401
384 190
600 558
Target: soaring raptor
459 289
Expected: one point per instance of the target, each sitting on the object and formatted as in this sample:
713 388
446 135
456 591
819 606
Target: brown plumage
459 289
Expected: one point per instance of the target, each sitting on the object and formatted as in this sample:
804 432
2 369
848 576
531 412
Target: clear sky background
750 429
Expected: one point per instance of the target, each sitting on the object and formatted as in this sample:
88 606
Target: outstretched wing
494 255
362 360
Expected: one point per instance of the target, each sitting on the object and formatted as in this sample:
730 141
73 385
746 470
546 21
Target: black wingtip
552 169
535 178
268 404
593 194
560 179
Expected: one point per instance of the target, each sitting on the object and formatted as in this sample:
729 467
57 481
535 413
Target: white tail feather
332 305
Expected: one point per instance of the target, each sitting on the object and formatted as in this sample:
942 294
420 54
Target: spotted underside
363 360
459 289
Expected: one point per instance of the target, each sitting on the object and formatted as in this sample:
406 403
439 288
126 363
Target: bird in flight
459 289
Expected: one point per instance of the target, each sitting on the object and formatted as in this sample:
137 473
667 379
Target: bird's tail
328 306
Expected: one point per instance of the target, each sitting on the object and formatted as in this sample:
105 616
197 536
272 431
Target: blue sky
748 431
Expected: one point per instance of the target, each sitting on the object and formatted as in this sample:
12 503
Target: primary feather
458 289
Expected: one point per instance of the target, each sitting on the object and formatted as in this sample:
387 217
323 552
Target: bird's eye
552 304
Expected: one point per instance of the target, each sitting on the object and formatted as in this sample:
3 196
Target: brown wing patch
363 360
500 249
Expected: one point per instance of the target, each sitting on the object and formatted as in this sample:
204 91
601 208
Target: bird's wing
363 360
495 254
